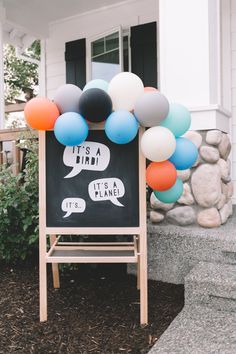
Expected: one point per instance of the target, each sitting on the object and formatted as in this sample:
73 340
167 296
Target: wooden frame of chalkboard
90 252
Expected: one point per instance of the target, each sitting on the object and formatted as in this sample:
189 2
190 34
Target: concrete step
229 253
174 250
213 285
199 330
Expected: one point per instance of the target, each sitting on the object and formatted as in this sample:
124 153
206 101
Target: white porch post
2 103
194 49
42 69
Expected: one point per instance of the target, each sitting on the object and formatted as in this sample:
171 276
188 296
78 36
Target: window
108 55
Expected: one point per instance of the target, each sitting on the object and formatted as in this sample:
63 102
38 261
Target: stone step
199 330
213 285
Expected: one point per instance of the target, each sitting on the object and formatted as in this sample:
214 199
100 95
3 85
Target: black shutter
75 57
144 52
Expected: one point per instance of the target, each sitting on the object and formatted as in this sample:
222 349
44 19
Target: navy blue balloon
121 127
185 155
95 105
71 129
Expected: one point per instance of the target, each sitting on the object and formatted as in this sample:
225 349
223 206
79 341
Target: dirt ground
96 310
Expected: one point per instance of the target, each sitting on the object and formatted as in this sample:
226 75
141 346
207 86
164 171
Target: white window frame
96 37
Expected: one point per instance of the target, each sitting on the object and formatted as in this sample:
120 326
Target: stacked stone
206 199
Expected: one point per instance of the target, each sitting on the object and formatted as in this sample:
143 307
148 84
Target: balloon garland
124 104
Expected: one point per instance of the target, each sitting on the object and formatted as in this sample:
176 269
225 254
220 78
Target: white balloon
124 89
158 144
67 98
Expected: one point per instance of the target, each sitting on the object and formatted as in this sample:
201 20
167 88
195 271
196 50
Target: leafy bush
20 74
19 209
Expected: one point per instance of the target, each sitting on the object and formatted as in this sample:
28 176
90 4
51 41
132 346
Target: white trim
121 54
215 90
91 12
210 117
25 57
225 55
2 100
127 32
210 108
42 70
93 38
2 12
26 30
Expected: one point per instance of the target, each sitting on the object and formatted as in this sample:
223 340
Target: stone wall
208 188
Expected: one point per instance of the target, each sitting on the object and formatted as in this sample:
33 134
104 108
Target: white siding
88 25
233 85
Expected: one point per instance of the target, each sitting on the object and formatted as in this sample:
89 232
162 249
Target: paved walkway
199 330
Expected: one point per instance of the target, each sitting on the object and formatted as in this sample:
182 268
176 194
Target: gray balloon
67 98
151 108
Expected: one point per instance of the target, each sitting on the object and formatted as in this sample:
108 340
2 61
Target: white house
185 47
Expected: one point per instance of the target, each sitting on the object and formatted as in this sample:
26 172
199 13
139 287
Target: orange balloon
150 89
161 176
41 113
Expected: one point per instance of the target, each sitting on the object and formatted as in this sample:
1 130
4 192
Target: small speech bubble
73 205
88 156
107 189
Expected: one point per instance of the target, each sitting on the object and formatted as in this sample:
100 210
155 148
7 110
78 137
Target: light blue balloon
121 127
185 155
178 119
171 195
97 83
71 129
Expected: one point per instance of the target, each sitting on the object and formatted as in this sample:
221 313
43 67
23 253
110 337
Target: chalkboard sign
92 185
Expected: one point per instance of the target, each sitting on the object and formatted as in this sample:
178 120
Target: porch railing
12 136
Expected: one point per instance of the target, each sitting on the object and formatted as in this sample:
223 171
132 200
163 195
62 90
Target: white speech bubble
107 189
73 205
88 156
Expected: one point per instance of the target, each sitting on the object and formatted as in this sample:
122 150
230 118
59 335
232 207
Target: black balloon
95 105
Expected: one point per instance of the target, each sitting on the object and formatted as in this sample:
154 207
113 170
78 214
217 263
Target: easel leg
55 268
143 281
42 278
138 264
138 274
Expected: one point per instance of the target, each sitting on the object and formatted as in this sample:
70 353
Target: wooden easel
78 252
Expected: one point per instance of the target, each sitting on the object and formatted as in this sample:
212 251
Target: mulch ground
96 310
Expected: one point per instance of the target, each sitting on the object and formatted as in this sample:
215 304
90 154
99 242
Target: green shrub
19 209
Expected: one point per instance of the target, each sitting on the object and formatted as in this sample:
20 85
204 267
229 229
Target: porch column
2 103
194 39
195 70
42 69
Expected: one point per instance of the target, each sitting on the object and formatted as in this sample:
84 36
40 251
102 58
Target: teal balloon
178 119
97 83
171 195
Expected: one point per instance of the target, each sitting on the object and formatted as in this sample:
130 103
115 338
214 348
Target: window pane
106 66
98 47
112 41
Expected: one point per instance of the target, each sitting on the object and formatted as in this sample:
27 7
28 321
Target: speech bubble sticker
90 156
73 205
107 189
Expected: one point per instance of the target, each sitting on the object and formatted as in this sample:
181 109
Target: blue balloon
172 194
185 155
121 127
97 83
71 129
178 119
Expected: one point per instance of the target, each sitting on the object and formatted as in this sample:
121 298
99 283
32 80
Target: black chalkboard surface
92 185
